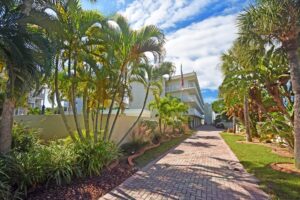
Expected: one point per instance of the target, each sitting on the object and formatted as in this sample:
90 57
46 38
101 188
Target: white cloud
198 48
164 13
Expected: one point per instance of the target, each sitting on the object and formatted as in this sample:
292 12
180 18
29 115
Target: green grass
152 154
256 159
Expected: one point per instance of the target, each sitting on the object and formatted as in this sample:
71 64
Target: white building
189 93
33 101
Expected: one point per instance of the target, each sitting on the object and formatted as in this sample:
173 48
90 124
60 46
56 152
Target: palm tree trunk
73 98
119 108
111 107
60 108
295 79
138 119
6 125
160 125
96 124
101 119
85 113
234 123
247 122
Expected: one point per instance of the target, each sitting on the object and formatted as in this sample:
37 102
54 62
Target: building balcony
194 112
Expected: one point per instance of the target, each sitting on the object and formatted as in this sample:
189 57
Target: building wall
138 96
52 127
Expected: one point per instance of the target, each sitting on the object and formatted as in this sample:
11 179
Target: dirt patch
282 152
87 188
286 167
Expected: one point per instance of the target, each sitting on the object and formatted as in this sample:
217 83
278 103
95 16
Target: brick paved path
202 167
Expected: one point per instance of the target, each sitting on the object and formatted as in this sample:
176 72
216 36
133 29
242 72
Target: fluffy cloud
164 13
198 48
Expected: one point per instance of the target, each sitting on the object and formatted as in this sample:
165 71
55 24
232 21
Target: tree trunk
119 108
295 79
60 108
96 124
138 119
247 122
111 107
7 118
85 113
234 123
73 97
160 125
101 119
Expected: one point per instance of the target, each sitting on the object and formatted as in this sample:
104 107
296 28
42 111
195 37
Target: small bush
63 164
91 158
4 182
24 138
31 163
27 170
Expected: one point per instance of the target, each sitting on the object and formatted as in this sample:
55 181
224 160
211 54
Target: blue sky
197 31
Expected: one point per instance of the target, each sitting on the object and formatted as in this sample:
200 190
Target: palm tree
73 41
149 76
278 21
25 54
126 48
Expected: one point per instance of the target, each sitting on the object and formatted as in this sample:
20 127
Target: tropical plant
126 50
24 56
93 157
277 21
24 139
170 111
150 77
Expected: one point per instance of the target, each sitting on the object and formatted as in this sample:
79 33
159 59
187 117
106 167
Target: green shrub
27 170
24 138
92 157
63 164
31 163
4 182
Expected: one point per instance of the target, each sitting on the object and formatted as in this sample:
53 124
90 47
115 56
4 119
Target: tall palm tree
278 21
72 42
25 54
149 76
126 48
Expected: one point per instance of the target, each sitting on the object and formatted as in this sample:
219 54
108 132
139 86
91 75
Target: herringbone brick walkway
202 167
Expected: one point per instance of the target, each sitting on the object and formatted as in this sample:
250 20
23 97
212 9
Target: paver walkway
202 167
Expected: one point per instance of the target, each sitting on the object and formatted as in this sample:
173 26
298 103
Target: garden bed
286 167
86 188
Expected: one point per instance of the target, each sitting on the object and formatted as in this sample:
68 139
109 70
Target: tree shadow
188 182
176 151
199 144
205 137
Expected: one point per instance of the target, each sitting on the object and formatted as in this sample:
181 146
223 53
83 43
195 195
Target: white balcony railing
195 112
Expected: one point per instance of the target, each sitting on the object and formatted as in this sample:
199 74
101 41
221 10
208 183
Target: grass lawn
152 154
256 159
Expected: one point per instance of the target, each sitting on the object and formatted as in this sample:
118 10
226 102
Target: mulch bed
286 167
86 188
